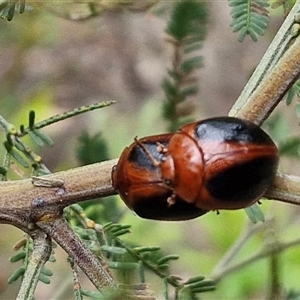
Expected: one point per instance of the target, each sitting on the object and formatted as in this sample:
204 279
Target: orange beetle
138 179
218 163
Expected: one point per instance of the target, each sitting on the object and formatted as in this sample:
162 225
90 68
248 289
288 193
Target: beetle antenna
155 162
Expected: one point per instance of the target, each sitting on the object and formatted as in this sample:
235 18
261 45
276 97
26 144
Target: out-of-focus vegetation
49 64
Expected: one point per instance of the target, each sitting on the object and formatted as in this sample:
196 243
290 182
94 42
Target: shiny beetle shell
218 163
138 179
233 162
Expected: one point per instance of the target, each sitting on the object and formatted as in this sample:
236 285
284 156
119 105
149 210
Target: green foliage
194 286
17 149
254 213
66 115
249 17
131 260
293 92
187 22
288 145
91 149
186 29
292 295
25 248
8 8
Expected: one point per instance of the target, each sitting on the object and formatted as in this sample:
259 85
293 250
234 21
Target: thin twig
286 188
41 252
273 87
276 49
237 246
273 76
267 251
76 281
69 114
89 263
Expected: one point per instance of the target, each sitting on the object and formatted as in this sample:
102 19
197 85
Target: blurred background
52 65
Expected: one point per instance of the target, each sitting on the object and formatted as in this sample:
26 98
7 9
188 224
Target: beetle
138 179
213 164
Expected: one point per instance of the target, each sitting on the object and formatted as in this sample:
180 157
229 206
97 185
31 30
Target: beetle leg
161 148
171 200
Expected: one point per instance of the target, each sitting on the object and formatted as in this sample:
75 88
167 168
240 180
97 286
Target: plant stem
267 251
41 252
273 76
22 202
69 114
231 254
272 55
273 88
89 263
286 188
22 197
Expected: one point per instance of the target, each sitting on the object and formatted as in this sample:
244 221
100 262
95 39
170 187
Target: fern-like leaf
249 17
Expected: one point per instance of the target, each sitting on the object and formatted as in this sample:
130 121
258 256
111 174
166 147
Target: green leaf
113 249
238 11
169 88
194 279
7 10
18 256
44 278
254 213
21 6
16 275
91 149
19 146
192 47
195 287
260 20
257 29
241 35
239 26
52 258
249 17
188 91
36 138
290 147
163 266
262 3
142 249
46 271
92 294
253 34
121 232
123 265
31 118
167 258
43 137
204 289
298 110
19 158
3 170
293 91
191 64
187 16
